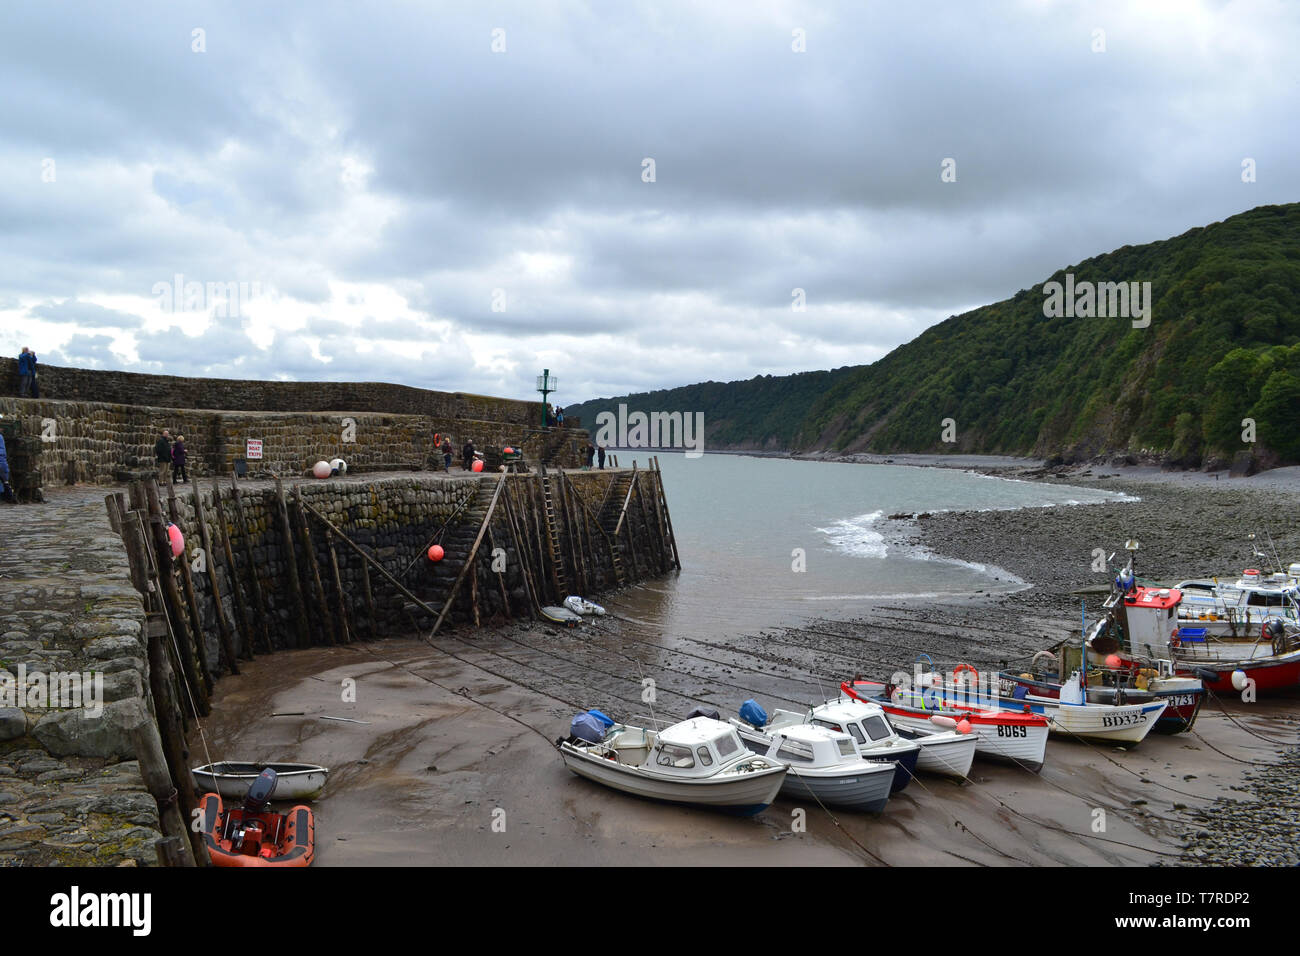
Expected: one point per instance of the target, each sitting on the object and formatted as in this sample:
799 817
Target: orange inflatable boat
255 835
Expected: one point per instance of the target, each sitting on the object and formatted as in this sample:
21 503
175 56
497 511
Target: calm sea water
739 522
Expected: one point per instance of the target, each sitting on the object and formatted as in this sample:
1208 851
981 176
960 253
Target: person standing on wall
446 450
5 491
27 374
162 454
467 455
178 460
601 452
591 454
559 417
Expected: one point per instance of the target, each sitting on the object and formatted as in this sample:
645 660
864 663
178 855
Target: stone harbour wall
105 443
170 391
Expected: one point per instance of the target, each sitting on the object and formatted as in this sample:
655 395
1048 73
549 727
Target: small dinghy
294 781
582 606
698 762
561 615
253 834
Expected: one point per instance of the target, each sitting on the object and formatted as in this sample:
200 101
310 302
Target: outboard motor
1275 631
259 794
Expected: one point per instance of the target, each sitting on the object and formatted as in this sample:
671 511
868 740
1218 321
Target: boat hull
295 847
294 781
866 789
744 794
946 756
1269 674
1181 705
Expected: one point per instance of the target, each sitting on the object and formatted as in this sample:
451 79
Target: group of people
170 456
591 453
467 452
28 387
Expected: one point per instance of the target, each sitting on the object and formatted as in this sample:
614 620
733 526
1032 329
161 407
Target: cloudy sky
454 195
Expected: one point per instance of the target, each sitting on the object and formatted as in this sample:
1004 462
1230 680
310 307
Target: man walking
162 453
446 454
467 455
26 372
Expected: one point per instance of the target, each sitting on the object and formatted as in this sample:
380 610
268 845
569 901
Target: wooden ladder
553 536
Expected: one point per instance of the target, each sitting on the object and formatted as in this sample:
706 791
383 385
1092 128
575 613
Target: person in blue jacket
26 372
5 490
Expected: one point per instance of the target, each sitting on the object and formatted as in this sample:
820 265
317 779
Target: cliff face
1186 350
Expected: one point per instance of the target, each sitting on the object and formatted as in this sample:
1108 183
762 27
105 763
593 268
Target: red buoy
436 553
1113 661
477 466
177 540
507 450
963 726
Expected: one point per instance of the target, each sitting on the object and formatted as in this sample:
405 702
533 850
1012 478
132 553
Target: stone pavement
68 793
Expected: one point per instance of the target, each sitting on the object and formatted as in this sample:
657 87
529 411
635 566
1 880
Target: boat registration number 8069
1013 730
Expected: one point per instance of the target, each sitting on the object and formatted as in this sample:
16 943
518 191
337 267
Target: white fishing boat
865 723
699 762
1241 607
826 765
293 781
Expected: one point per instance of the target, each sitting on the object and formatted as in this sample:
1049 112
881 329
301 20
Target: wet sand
451 739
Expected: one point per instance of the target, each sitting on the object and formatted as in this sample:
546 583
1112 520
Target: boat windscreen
727 745
846 747
876 727
671 755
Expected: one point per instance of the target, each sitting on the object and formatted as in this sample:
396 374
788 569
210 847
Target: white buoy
1239 679
321 469
338 466
947 723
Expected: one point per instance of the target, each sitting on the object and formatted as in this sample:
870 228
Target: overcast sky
402 203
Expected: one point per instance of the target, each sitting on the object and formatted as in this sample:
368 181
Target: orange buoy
963 726
436 552
507 450
477 466
1113 661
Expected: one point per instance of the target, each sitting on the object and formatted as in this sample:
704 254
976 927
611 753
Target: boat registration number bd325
1121 720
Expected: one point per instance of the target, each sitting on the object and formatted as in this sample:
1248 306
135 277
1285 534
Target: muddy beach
455 762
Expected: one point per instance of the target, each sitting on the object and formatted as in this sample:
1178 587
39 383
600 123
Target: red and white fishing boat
1143 626
1242 606
1000 734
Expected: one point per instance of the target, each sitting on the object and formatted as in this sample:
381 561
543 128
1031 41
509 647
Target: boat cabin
865 723
812 745
695 747
1152 619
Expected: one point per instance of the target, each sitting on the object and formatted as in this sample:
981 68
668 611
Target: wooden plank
668 520
521 554
338 586
372 625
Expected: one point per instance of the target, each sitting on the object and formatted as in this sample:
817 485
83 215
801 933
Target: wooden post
241 608
210 556
668 520
521 552
314 566
114 516
652 538
372 625
173 607
259 597
295 582
147 744
338 586
500 576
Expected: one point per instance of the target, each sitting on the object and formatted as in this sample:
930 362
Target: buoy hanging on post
177 540
436 553
321 469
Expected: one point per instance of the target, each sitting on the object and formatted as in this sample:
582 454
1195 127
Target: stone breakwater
70 788
56 441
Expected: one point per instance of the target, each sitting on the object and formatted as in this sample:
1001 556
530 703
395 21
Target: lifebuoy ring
1174 640
437 438
960 668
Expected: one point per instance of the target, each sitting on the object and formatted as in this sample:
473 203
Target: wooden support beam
260 608
210 559
469 561
290 556
344 629
232 571
521 554
372 625
312 565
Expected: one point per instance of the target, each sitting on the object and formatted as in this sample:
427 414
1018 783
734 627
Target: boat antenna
1277 558
653 719
820 689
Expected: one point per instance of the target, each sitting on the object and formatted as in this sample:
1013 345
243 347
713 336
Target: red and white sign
254 449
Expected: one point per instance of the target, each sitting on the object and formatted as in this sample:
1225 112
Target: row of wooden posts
181 672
